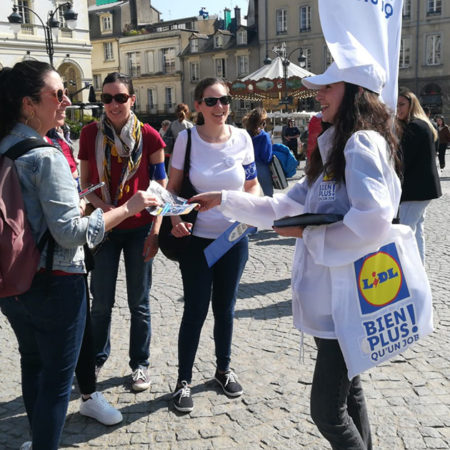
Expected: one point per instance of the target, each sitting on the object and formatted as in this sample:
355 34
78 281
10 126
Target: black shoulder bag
171 246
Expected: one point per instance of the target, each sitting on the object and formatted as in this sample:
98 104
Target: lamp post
70 16
281 52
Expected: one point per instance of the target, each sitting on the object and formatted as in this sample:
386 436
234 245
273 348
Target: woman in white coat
353 174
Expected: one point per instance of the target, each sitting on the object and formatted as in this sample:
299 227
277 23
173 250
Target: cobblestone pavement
408 398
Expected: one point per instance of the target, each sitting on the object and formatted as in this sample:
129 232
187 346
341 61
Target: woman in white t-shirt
221 158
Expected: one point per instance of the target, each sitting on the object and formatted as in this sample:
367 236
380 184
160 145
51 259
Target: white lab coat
368 200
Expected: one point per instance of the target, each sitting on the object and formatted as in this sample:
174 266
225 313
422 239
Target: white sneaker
26 446
98 408
140 379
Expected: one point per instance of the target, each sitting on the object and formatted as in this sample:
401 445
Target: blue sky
176 9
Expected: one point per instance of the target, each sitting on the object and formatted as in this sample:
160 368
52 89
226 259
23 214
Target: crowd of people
358 148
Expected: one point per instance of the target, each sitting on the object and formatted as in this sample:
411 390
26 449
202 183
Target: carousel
277 85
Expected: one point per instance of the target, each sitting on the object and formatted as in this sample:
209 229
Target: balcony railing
169 107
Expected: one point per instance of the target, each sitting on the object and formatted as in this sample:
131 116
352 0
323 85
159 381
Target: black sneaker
228 382
182 400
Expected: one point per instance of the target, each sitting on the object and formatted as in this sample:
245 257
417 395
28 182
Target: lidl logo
380 279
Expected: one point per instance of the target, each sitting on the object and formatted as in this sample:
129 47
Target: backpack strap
16 151
187 155
24 146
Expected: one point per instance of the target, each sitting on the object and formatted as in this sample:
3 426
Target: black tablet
308 219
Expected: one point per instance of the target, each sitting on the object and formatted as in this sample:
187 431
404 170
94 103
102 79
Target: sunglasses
119 98
60 94
211 101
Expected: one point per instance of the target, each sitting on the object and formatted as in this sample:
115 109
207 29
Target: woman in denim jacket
48 319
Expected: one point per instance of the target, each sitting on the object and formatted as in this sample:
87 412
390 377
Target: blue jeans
103 289
218 284
265 178
48 321
413 214
338 407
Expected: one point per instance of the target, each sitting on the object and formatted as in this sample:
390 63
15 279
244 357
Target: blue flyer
225 241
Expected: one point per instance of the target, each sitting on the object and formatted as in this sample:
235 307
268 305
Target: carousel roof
269 82
276 70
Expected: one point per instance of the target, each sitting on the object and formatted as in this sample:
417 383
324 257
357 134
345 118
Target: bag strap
24 146
16 151
187 156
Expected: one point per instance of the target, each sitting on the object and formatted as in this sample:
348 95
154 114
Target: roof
106 6
276 70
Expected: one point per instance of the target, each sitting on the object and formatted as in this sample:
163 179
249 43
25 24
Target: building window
434 7
106 23
242 37
305 19
134 67
194 45
27 26
169 98
108 51
218 42
151 99
97 82
281 16
433 50
220 67
150 59
195 71
168 60
405 52
406 12
25 13
242 63
328 59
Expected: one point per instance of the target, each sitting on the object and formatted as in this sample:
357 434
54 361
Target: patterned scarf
126 147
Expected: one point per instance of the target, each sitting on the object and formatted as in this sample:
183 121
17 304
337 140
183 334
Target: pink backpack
19 254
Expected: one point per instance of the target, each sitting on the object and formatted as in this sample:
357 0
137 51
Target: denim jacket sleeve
60 202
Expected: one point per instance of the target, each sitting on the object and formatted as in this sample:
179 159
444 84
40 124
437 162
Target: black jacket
420 176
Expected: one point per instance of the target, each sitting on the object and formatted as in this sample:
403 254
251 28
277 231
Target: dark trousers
338 407
202 285
442 149
103 290
48 321
85 370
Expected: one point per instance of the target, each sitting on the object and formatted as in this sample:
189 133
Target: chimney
226 18
237 16
133 14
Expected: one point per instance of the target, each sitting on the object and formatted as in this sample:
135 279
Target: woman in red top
125 154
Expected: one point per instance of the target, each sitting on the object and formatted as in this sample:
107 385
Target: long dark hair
25 79
359 110
255 120
121 78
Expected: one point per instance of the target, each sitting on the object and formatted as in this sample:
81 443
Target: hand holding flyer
171 205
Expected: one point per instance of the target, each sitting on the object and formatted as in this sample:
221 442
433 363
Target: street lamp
281 52
70 16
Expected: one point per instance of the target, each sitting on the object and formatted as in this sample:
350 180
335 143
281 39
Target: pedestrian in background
254 123
221 157
290 135
420 177
165 124
444 139
181 123
352 174
125 154
49 319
